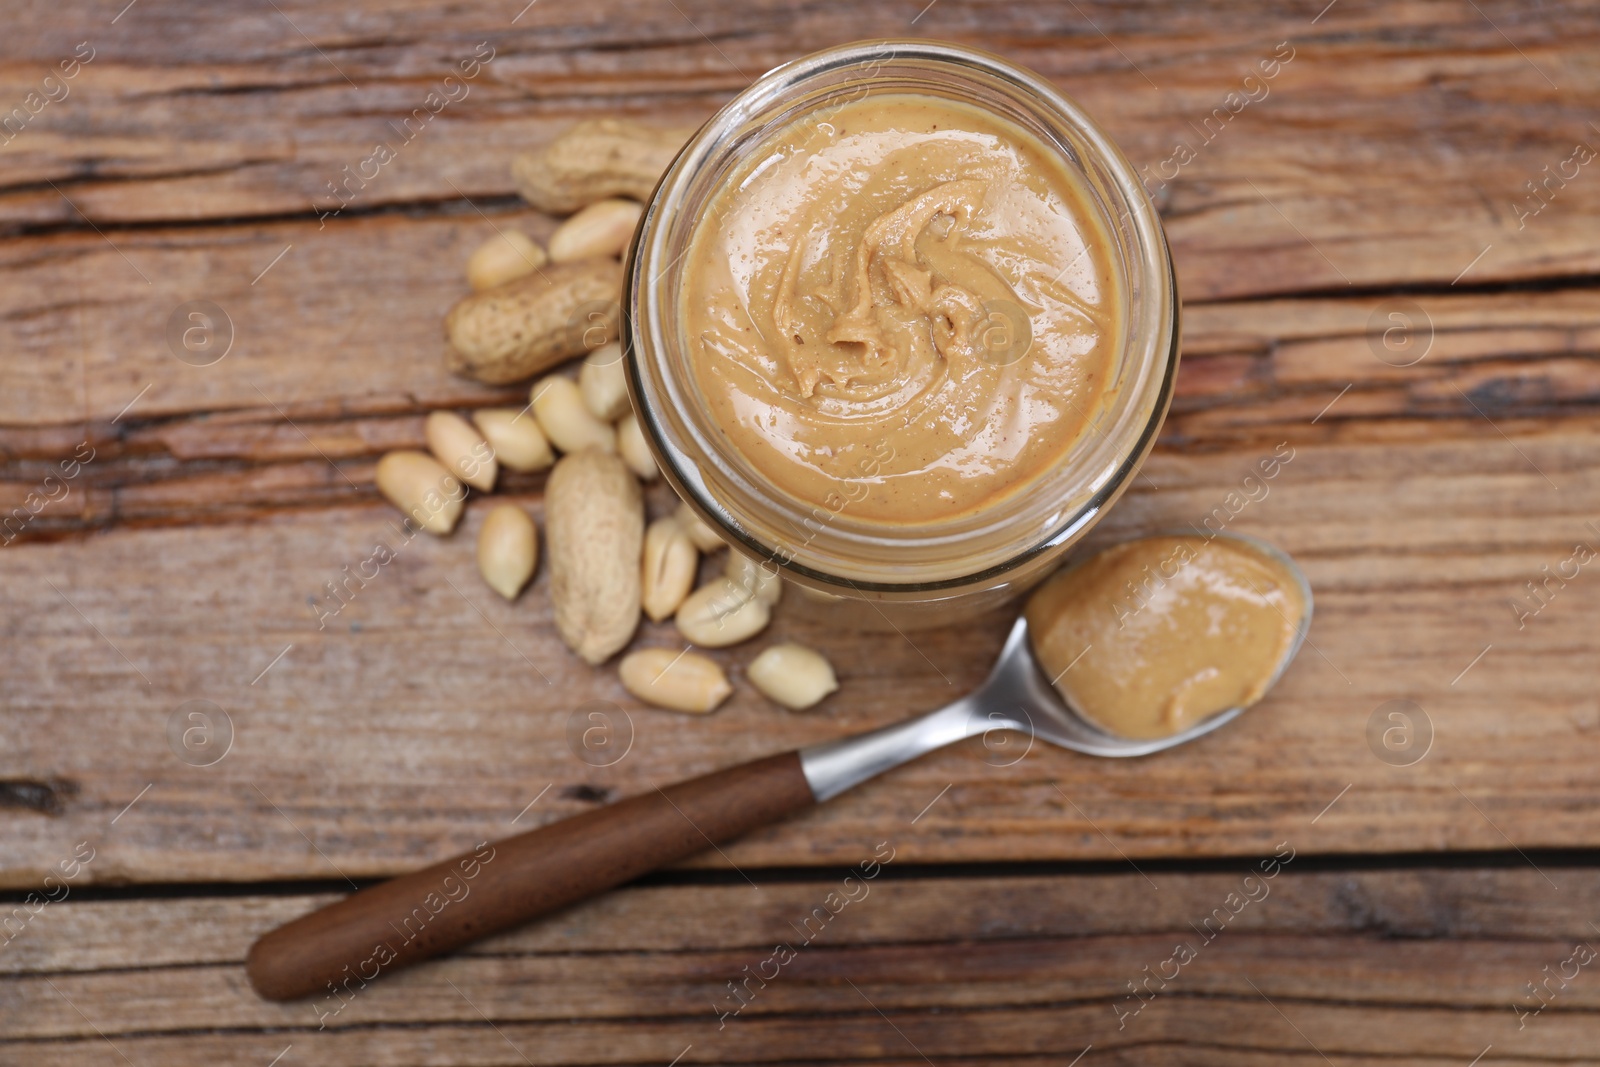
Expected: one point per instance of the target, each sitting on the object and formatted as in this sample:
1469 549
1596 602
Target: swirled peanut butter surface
1153 636
905 295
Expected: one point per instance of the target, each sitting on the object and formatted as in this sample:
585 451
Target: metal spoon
340 948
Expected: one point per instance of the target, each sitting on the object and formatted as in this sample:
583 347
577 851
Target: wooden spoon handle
340 948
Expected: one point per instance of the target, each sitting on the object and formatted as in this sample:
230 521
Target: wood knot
589 793
47 796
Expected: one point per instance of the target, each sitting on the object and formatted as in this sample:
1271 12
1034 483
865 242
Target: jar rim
709 479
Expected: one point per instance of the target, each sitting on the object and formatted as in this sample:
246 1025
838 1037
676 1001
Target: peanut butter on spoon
1153 636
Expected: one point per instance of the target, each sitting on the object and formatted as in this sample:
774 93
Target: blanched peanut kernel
719 614
515 436
635 451
418 485
558 405
792 675
508 549
601 229
461 449
703 536
604 383
669 564
679 681
503 258
758 579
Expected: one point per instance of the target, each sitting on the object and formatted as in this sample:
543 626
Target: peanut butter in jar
905 295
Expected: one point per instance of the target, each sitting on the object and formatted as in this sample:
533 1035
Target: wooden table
1370 281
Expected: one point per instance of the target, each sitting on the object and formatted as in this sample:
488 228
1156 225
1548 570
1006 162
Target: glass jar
932 572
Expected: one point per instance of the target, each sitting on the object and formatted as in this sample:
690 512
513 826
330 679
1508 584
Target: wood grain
1383 174
225 497
1408 966
296 430
426 715
1374 158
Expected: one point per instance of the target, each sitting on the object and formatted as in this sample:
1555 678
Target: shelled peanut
508 549
461 449
515 438
792 675
419 485
679 681
504 257
670 559
557 403
603 382
603 228
719 614
635 449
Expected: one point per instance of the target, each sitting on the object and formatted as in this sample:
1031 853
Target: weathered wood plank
1410 904
326 382
1396 966
1036 975
409 727
352 324
1394 147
